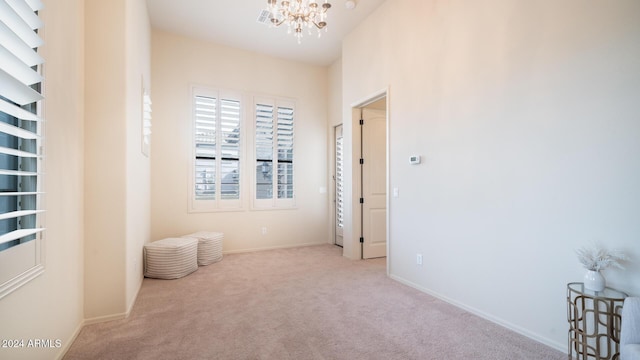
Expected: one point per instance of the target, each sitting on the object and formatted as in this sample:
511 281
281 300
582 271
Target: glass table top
607 293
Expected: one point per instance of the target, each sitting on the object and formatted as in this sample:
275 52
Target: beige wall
334 118
138 165
178 63
526 117
105 149
116 172
50 306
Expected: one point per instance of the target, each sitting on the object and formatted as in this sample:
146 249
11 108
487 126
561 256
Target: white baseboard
105 318
486 316
95 320
135 298
67 344
272 248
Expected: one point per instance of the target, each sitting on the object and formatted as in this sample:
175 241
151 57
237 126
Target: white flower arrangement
598 258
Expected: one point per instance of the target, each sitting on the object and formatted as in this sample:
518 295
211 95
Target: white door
374 183
339 185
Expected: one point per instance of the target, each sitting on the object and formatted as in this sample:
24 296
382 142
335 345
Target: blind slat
16 91
17 112
18 234
20 153
17 132
21 193
17 172
17 214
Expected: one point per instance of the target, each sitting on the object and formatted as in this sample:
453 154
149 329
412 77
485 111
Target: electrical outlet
419 259
264 230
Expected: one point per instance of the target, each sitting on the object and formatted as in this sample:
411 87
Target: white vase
594 281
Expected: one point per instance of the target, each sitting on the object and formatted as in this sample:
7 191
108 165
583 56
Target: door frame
357 180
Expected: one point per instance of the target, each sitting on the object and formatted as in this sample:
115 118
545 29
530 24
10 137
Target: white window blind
205 147
146 122
285 152
20 143
264 151
340 182
217 149
274 153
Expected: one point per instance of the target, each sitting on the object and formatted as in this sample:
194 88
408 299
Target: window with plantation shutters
274 153
20 144
340 181
218 162
216 167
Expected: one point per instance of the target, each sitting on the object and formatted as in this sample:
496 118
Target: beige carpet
302 303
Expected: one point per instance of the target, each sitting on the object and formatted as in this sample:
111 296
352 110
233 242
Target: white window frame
274 202
217 204
19 40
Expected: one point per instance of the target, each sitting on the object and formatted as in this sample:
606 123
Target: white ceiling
234 23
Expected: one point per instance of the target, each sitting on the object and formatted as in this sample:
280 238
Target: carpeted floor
300 303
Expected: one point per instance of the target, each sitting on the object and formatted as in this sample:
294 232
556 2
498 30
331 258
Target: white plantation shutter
264 151
20 143
229 149
217 144
340 182
205 147
274 150
285 153
146 122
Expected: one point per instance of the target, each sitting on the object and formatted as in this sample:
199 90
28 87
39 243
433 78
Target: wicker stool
170 258
209 246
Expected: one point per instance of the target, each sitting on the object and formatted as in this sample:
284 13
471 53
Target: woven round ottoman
209 246
170 258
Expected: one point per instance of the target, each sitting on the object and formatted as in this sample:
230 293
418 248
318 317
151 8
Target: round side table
594 322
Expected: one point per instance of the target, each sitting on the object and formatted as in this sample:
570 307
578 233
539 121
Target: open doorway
361 226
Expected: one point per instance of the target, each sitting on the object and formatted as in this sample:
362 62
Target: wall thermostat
414 159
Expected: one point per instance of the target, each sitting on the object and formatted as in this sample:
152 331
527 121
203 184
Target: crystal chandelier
299 14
